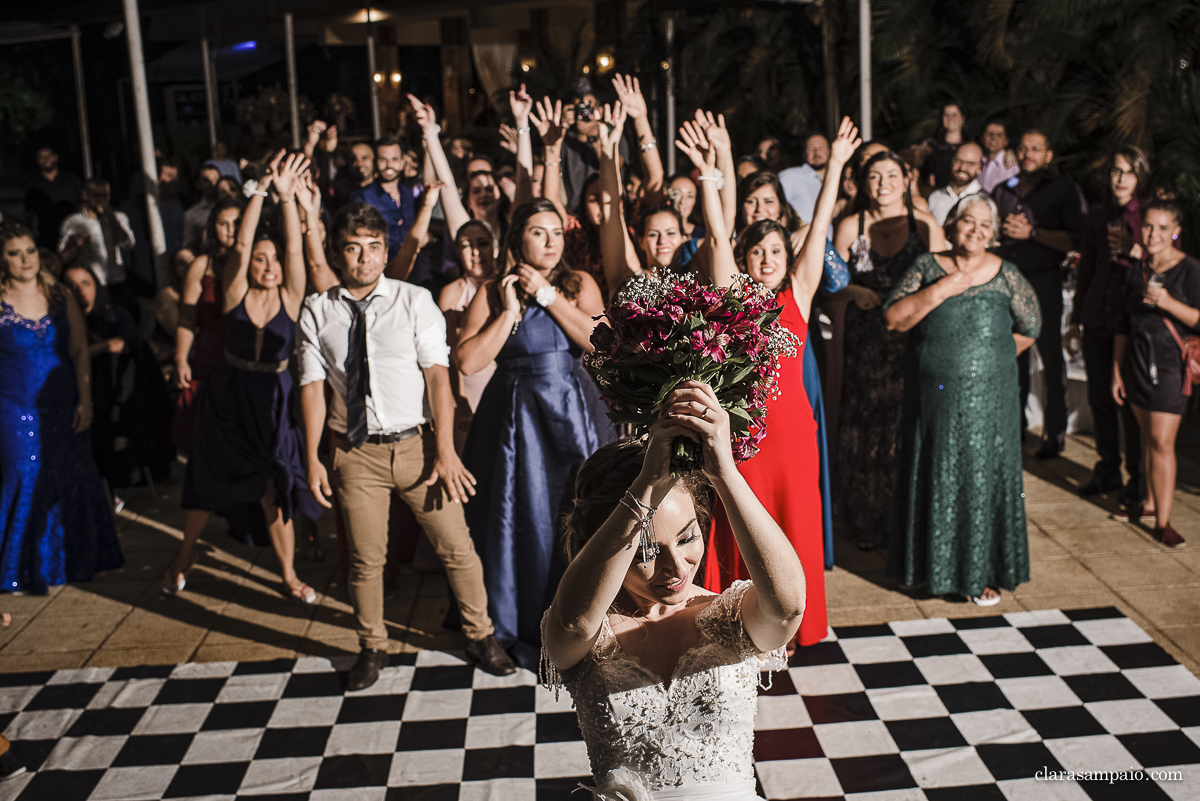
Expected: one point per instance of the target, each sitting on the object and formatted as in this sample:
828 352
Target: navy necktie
358 373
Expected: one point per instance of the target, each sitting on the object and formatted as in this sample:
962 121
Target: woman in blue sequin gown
56 522
539 418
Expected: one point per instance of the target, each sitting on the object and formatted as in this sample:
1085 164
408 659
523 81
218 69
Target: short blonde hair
960 208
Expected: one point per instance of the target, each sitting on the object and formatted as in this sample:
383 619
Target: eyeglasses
1117 172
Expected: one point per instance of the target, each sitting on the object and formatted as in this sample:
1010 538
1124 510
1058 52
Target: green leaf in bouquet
739 413
740 375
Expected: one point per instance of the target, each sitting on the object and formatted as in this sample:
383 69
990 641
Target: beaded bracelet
645 516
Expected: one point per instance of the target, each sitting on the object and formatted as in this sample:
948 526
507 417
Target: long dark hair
865 170
585 221
1141 168
755 181
755 234
96 317
562 276
212 245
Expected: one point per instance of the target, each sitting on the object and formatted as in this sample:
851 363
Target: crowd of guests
404 319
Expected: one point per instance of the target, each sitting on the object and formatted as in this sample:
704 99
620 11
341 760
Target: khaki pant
365 478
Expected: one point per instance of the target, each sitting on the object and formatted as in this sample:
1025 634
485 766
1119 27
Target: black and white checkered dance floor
919 709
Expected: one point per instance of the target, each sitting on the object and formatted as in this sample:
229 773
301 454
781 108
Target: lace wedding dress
692 738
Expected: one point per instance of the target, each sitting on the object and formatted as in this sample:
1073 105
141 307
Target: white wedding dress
690 739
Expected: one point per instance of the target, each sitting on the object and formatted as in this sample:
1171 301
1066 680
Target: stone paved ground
233 610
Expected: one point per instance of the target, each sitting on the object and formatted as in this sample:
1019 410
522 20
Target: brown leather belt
390 438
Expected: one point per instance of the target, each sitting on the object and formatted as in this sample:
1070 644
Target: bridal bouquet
660 332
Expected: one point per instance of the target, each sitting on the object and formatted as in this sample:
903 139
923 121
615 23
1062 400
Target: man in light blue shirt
802 185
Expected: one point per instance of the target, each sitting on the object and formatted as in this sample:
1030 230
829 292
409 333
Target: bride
663 673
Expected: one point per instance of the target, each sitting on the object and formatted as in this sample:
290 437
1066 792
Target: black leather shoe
1051 448
490 657
1095 486
366 669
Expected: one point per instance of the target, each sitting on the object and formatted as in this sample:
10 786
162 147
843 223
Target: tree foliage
1093 74
24 107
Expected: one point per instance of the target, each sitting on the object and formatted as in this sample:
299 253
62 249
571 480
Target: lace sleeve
1023 303
548 675
912 280
721 622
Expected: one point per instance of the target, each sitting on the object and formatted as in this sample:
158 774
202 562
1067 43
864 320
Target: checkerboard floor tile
919 709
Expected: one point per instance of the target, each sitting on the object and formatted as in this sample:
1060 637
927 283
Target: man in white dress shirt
964 180
802 185
381 346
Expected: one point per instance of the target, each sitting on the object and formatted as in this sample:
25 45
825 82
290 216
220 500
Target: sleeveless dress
692 738
872 391
56 521
469 388
538 420
835 276
244 434
959 521
785 476
207 355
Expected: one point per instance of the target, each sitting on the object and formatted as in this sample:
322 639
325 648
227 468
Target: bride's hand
693 408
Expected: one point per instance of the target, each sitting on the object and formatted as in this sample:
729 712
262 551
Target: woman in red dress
785 473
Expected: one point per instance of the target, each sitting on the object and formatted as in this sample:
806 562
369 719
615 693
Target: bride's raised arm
771 610
773 607
595 575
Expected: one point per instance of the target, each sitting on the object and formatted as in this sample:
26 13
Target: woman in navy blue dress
56 522
537 421
246 462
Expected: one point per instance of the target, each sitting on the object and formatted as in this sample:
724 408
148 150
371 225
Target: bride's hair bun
603 480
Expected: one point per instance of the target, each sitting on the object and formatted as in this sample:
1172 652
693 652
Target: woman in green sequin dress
959 525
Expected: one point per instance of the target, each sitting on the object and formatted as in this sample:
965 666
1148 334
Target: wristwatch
546 296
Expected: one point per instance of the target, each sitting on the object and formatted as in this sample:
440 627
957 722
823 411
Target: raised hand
508 291
530 280
272 171
629 94
695 144
314 131
432 192
548 119
508 138
521 104
845 143
423 113
308 196
714 129
331 140
612 126
287 176
694 408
